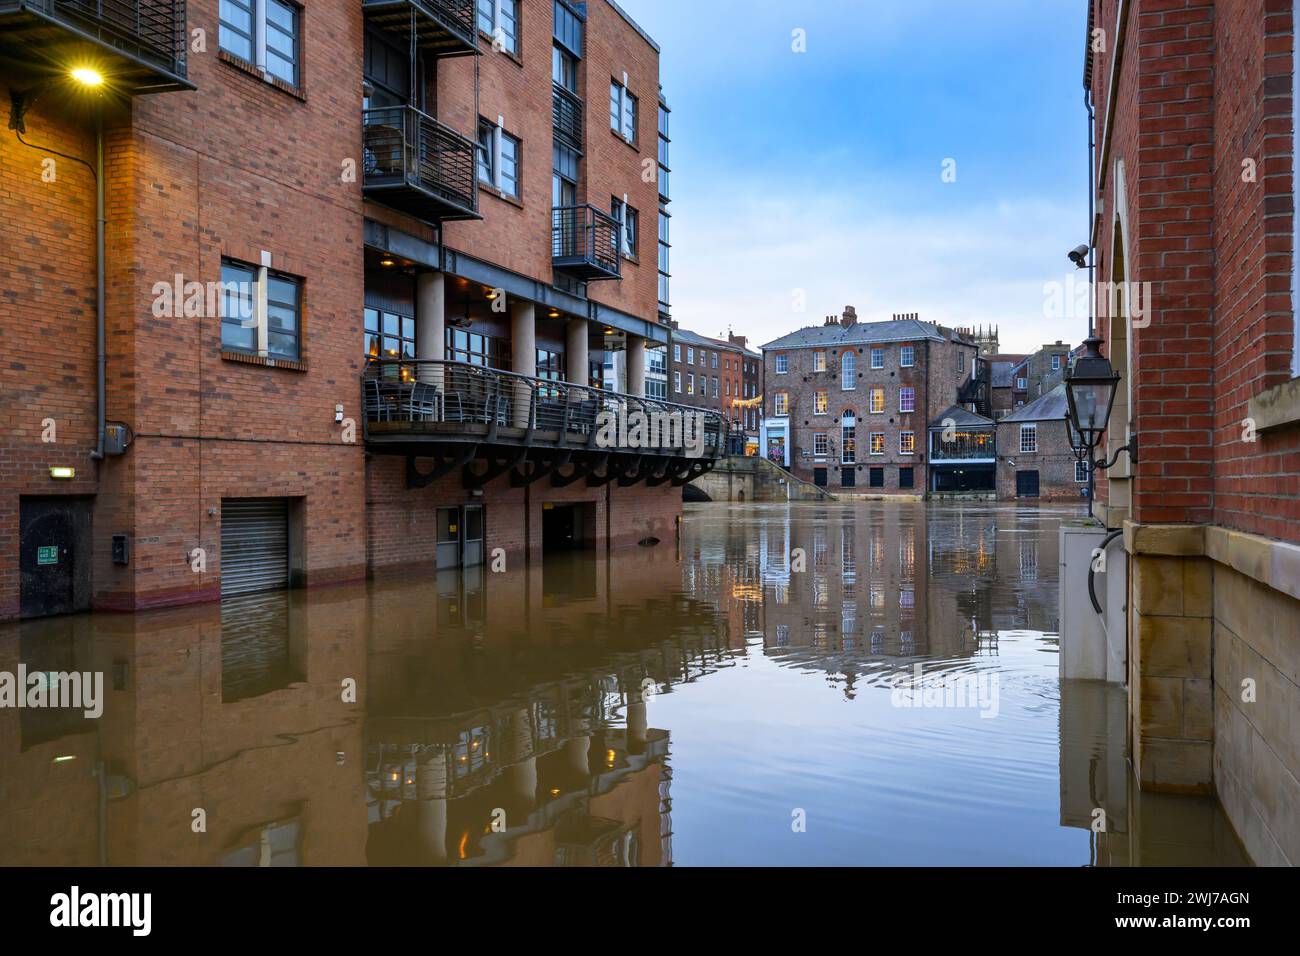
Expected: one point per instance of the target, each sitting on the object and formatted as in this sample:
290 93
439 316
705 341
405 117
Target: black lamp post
1090 386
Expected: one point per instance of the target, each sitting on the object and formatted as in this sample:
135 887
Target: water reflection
655 708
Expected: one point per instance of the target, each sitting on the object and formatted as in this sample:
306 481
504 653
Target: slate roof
863 333
1051 407
962 418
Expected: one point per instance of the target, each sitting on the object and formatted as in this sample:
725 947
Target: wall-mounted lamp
1090 386
62 473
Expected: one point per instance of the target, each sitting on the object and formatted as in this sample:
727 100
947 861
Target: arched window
848 371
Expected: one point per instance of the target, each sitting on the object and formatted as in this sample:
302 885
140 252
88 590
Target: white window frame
848 371
690 383
871 400
1022 384
1029 439
877 353
628 108
690 355
824 397
907 356
781 405
782 364
906 390
819 361
677 352
677 382
821 444
871 443
1056 363
902 449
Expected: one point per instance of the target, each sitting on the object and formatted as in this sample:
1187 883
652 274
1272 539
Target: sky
817 178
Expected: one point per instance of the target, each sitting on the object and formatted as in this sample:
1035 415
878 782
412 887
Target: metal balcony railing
435 400
584 242
441 27
566 115
963 446
148 35
418 165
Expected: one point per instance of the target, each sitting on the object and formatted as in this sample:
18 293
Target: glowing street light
87 76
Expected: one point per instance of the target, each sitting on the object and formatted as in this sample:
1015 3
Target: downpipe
101 355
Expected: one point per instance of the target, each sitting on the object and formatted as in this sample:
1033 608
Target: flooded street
735 699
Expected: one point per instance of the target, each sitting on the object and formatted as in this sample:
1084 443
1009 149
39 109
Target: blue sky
821 171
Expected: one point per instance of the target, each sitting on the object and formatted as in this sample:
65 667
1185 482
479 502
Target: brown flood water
702 703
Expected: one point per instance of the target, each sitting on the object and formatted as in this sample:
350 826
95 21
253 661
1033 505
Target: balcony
455 412
566 116
964 446
441 27
417 165
584 243
137 45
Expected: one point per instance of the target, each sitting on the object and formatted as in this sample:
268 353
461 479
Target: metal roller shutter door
254 545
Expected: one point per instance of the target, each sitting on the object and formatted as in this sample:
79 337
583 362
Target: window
906 478
715 386
262 32
260 311
677 382
628 220
821 444
1081 472
389 335
821 402
877 358
781 404
819 361
690 355
907 399
564 69
713 359
877 443
677 353
690 383
550 365
622 110
656 389
499 19
907 356
782 364
848 372
1056 363
877 400
498 159
1021 384
1028 439
848 441
474 348
961 361
906 443
876 477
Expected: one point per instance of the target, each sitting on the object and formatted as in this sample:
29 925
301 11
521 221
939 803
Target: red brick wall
1203 87
1256 485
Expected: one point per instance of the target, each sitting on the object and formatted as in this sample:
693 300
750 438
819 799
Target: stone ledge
1165 540
1278 407
1266 560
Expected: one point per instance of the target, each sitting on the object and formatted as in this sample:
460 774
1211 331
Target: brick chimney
850 316
739 340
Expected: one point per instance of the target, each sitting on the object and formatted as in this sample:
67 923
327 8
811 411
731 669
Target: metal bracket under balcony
441 27
425 407
138 46
566 116
419 166
584 243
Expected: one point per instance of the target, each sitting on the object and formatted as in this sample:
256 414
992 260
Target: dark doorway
876 477
1026 484
819 477
54 556
906 478
848 477
568 527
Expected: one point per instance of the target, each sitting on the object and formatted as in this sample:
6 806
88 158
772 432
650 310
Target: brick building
1194 173
444 198
1035 456
849 404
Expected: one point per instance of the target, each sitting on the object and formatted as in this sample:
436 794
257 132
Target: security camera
1079 256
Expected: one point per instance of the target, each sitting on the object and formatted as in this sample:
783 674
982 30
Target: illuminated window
906 442
877 401
821 402
819 361
877 443
781 404
907 399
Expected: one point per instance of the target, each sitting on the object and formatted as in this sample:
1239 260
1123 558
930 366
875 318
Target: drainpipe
100 351
1092 214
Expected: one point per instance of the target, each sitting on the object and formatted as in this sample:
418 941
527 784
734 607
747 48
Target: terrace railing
419 165
409 401
584 241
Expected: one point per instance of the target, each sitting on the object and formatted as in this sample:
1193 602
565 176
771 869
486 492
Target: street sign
48 554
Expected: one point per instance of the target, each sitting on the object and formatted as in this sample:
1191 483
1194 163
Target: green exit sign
47 555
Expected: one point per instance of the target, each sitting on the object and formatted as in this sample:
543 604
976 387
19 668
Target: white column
636 365
575 351
523 351
430 324
431 804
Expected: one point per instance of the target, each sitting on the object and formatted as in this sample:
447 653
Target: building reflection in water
506 719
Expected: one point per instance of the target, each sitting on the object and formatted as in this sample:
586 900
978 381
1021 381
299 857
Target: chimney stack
850 316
